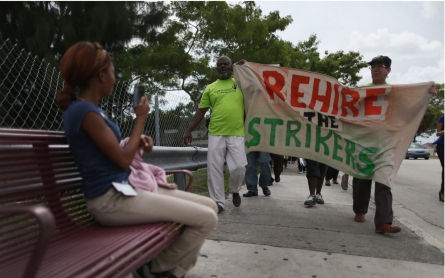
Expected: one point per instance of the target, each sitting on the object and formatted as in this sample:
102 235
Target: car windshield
417 146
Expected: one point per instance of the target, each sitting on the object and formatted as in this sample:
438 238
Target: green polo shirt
371 84
227 102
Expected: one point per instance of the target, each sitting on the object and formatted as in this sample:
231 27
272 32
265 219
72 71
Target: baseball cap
381 58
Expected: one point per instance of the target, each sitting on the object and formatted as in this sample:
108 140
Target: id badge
125 189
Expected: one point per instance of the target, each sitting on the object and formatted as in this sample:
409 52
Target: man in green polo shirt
380 67
226 133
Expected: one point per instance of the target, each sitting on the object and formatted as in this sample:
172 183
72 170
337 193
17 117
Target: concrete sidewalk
278 236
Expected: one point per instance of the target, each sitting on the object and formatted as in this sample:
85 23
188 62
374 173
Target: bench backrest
36 167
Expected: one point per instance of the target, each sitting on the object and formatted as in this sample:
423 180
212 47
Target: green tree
48 29
199 32
343 66
195 35
435 108
33 24
241 31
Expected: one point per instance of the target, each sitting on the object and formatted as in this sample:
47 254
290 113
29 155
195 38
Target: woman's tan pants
197 213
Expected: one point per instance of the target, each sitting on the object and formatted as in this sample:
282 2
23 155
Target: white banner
364 131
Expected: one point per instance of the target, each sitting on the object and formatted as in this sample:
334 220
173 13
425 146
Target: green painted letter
320 140
337 147
273 122
363 157
291 133
308 136
350 149
256 136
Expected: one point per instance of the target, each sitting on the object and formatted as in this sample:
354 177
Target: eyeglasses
380 66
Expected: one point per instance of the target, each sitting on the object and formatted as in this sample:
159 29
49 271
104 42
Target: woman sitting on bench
105 166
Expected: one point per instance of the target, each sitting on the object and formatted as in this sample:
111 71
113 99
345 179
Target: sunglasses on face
380 66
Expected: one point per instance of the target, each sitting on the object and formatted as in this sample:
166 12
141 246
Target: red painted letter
371 96
335 104
349 104
275 88
326 99
294 93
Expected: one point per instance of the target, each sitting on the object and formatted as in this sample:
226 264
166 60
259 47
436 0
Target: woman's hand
168 185
146 143
143 108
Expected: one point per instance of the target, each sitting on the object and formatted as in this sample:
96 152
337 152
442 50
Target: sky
411 33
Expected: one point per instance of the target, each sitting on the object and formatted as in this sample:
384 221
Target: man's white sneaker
310 201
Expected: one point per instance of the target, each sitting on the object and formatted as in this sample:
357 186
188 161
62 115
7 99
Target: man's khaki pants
231 150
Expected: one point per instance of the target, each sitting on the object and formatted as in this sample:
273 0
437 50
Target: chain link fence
28 88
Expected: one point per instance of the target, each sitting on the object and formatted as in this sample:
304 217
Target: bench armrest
47 229
186 172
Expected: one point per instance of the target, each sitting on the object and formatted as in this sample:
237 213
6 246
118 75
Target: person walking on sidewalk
380 67
439 148
285 160
344 181
226 133
251 173
331 174
301 165
277 161
316 172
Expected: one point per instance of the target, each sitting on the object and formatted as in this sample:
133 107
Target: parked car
416 150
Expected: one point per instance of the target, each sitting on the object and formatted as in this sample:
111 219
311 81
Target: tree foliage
343 66
179 42
48 29
434 110
198 32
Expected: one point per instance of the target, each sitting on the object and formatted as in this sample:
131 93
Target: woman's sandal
327 183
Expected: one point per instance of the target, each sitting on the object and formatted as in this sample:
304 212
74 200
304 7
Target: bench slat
37 169
83 254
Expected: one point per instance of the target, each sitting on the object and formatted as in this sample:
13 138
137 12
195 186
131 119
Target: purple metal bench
45 229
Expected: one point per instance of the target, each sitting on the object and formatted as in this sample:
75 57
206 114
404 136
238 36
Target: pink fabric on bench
143 175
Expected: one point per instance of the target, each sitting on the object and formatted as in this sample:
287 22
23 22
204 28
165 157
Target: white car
416 150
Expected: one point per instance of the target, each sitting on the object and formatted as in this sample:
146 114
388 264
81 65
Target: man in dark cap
380 67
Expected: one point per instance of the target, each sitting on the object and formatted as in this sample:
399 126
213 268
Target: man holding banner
363 131
226 133
380 67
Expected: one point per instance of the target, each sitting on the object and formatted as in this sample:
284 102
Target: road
416 199
278 236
